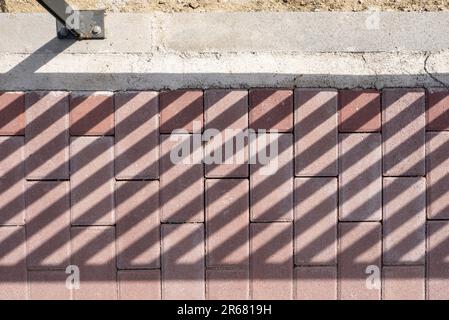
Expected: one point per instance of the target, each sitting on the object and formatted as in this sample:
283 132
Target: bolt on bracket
75 24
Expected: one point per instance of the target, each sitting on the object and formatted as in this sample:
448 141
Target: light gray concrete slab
240 32
370 31
27 33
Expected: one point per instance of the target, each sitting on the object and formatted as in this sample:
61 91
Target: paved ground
361 189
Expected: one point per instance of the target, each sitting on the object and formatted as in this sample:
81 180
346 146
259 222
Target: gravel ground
236 5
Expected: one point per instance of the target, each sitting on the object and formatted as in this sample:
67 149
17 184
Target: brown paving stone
93 251
359 111
183 261
226 109
438 109
360 247
227 284
316 283
12 181
316 132
12 113
180 109
438 175
403 283
227 222
47 135
360 179
271 184
92 180
437 261
182 185
91 113
138 235
404 224
48 285
13 273
316 221
48 224
226 117
139 284
272 260
271 109
403 132
137 135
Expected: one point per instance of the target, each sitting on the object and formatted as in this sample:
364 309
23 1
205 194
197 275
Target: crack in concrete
426 70
374 82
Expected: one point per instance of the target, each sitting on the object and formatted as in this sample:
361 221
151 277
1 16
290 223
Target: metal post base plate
91 26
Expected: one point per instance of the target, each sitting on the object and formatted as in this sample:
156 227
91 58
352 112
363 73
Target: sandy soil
236 5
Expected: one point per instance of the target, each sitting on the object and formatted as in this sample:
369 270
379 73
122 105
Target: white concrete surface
369 31
157 51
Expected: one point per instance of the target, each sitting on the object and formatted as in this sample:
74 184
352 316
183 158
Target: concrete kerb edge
170 51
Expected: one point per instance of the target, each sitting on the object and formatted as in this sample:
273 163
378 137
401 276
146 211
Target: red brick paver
437 265
438 109
359 111
49 285
271 109
12 113
404 221
93 250
438 175
136 134
360 179
316 283
316 132
12 181
403 283
13 272
181 109
48 224
316 221
47 135
139 284
227 284
226 115
360 249
138 222
271 180
92 180
227 216
403 132
182 185
183 261
91 113
271 260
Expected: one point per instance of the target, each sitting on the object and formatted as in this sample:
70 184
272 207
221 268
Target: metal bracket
91 26
75 24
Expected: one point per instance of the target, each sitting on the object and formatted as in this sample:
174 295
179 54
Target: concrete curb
229 50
